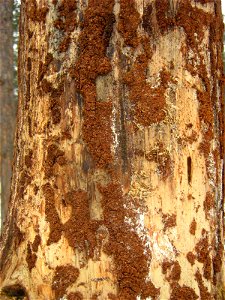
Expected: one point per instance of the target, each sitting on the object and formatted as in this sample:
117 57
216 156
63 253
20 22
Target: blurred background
9 35
9 28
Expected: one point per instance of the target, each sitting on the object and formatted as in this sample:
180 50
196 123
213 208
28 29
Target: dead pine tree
117 181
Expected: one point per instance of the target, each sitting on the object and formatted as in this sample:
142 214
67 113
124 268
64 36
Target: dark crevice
16 291
189 171
80 100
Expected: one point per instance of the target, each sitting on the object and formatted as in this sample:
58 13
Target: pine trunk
117 182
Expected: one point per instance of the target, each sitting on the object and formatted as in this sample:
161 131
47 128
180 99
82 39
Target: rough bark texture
117 183
7 102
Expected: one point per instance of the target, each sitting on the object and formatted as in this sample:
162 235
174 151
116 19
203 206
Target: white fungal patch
114 131
161 247
138 225
212 170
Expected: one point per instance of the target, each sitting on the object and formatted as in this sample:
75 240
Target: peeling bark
117 181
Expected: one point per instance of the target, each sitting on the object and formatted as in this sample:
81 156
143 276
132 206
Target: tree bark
7 100
117 183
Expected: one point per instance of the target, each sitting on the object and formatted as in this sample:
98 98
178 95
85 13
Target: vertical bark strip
117 180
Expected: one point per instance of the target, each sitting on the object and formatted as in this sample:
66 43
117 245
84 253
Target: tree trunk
117 182
7 102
